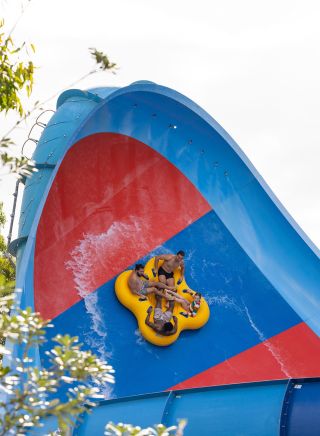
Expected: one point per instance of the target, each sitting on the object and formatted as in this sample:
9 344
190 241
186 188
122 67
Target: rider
191 307
170 263
162 320
146 287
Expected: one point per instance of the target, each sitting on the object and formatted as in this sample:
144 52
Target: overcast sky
253 65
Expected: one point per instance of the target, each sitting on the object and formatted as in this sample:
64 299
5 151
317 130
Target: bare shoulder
132 280
131 277
166 256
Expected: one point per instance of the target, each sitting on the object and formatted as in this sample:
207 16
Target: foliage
16 79
21 165
16 76
103 61
157 430
2 216
32 392
7 271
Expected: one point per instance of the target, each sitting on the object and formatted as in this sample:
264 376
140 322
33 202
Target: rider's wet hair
181 252
167 327
139 266
199 294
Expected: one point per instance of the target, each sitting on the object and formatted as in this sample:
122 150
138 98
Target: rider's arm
148 322
182 273
155 268
175 327
156 261
182 267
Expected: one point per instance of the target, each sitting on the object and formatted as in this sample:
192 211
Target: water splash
222 300
94 256
271 348
80 266
189 255
143 343
140 339
89 263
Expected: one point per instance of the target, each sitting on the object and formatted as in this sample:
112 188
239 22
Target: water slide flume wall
128 174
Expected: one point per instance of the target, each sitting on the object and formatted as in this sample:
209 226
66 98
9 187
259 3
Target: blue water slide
126 174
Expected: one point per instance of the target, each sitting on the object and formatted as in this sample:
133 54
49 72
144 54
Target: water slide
126 174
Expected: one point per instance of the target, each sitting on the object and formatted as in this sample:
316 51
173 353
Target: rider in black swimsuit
162 272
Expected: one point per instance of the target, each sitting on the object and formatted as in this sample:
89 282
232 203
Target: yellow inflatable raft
139 308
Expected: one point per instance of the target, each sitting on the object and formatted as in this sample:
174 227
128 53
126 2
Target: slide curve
127 174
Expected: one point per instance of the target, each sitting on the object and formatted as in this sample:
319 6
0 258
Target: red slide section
295 353
113 200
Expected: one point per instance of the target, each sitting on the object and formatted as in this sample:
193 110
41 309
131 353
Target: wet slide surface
114 202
